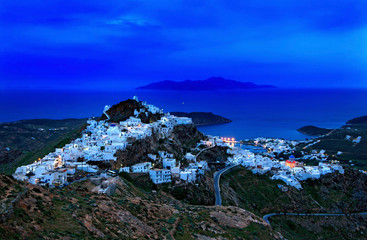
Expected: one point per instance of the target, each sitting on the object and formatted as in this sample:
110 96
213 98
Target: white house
159 176
183 120
54 177
190 156
188 176
169 163
141 167
125 169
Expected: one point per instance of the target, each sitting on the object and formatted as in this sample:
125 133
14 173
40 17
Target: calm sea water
266 113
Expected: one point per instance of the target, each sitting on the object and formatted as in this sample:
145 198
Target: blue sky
114 44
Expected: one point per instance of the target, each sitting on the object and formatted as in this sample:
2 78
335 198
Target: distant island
213 83
203 118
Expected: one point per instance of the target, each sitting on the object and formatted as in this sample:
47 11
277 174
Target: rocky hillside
124 110
75 212
183 138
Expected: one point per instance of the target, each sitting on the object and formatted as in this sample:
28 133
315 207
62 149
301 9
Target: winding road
217 174
218 200
267 216
201 152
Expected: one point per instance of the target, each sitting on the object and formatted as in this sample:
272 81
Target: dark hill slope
358 120
314 131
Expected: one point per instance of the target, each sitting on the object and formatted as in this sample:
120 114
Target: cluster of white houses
291 171
171 168
100 141
276 145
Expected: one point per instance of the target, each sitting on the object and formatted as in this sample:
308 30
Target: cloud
183 39
129 20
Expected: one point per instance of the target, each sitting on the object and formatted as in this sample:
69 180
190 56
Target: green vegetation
303 227
261 195
336 141
333 193
255 193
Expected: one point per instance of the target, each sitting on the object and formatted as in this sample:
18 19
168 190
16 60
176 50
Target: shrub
126 176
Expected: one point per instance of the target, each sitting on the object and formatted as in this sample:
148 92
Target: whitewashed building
141 167
159 176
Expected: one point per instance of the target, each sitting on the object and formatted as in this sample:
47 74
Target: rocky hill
124 110
183 138
76 212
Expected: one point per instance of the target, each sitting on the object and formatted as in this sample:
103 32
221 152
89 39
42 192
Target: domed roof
291 157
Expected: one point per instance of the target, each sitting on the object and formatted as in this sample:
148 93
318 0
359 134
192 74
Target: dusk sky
111 44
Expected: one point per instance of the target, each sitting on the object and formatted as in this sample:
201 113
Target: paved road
217 174
267 216
197 155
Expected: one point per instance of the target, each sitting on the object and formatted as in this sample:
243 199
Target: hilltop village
103 138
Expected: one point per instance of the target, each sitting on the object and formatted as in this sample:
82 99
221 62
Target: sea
276 113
